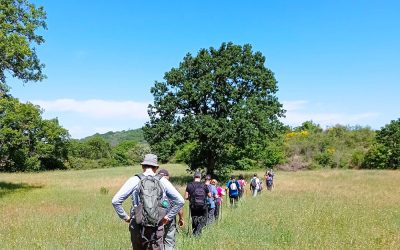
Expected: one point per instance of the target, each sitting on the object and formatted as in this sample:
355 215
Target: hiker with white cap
149 213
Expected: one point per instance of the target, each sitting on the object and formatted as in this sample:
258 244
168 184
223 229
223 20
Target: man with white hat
132 188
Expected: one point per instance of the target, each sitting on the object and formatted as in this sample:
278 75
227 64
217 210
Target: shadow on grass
7 188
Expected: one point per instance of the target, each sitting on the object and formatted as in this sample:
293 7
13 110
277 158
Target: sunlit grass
327 209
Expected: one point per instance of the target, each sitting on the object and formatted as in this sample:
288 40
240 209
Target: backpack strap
140 176
158 177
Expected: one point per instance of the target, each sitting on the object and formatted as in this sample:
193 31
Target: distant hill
115 138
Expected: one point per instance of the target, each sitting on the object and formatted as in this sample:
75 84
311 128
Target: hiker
269 179
197 193
243 184
170 227
218 201
149 213
255 186
233 187
211 200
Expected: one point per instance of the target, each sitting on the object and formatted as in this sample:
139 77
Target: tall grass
336 209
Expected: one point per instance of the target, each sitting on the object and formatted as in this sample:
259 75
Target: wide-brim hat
150 160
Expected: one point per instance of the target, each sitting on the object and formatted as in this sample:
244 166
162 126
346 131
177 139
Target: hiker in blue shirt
211 200
233 187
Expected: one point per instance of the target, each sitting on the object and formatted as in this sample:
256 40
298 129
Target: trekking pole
190 216
220 210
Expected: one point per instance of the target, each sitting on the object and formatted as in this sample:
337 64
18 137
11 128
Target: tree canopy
221 102
28 142
19 23
385 153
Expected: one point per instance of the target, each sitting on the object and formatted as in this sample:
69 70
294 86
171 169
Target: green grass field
327 209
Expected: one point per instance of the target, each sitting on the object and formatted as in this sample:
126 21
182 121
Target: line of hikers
156 202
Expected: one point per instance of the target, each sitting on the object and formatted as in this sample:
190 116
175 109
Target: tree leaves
19 22
220 97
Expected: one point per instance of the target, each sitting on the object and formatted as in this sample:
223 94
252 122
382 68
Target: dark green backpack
150 209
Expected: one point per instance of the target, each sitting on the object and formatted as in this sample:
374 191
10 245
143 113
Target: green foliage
386 152
19 22
184 154
376 157
246 164
223 99
27 142
335 147
309 126
130 152
273 154
94 152
115 138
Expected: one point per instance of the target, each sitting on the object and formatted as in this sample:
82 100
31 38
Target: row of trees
96 152
30 143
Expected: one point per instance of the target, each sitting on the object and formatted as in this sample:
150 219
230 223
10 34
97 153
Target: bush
246 164
376 157
335 147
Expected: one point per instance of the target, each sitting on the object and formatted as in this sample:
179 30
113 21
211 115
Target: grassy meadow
325 209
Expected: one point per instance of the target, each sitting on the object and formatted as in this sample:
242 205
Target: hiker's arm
186 195
175 197
122 195
181 222
209 194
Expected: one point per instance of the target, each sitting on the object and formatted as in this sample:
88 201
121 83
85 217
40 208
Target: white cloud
96 108
294 105
299 112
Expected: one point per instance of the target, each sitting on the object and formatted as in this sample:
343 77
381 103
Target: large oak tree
220 106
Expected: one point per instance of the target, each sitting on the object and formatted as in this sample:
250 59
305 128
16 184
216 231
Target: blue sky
335 61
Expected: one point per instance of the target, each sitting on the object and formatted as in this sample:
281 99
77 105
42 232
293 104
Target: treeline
309 146
30 143
96 152
115 138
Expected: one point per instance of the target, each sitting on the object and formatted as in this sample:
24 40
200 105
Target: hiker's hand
165 220
181 222
127 220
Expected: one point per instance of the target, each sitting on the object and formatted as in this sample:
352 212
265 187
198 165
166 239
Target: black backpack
198 196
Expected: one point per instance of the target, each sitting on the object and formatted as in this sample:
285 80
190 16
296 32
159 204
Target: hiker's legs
216 212
210 216
136 239
199 220
170 235
255 191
